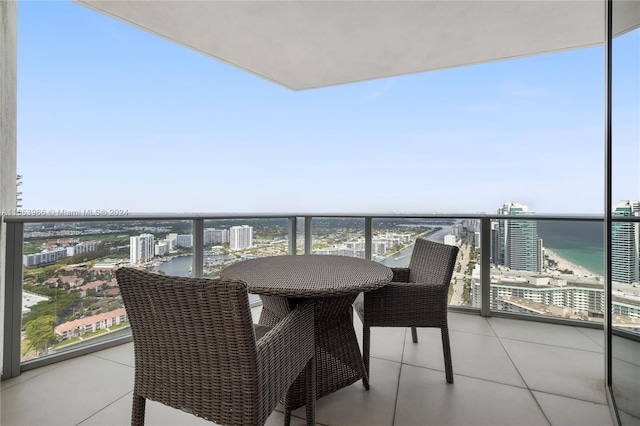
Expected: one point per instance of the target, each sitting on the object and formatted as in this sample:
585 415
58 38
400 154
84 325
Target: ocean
578 242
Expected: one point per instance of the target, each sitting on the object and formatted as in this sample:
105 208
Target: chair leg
137 412
366 342
287 417
446 349
414 334
310 403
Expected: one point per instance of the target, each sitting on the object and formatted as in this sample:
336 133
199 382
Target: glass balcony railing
61 269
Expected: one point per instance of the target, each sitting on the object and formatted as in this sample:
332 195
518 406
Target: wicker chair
416 297
196 349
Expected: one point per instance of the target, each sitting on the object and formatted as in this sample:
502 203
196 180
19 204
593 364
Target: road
458 277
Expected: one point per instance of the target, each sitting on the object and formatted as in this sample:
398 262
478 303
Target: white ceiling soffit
310 44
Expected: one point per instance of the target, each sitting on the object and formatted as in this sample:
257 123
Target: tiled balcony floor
507 372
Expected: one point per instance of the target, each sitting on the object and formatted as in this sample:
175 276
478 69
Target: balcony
507 372
538 368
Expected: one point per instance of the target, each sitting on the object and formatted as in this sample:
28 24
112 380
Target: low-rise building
91 324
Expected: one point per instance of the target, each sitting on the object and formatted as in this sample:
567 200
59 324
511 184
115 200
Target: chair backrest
194 343
432 262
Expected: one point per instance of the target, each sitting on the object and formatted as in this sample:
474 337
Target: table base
338 358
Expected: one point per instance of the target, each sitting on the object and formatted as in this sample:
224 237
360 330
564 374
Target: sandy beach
562 263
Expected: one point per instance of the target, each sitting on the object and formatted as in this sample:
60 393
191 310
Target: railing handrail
213 216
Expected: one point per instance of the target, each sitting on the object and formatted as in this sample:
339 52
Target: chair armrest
407 291
400 275
284 351
406 304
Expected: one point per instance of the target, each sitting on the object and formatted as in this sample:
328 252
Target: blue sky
111 117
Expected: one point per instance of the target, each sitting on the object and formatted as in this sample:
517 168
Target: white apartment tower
241 237
213 236
625 247
142 248
185 240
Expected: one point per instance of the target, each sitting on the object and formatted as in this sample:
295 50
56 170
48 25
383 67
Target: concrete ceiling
310 44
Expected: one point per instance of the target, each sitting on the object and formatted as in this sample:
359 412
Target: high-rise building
161 248
82 247
240 237
142 248
450 239
213 236
172 240
184 240
515 243
625 250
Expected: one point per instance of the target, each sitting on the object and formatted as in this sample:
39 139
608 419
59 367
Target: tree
40 333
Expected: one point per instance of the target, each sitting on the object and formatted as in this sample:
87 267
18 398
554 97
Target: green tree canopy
40 333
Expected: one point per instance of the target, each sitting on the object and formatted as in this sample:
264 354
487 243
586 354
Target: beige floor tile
629 420
122 354
473 355
469 323
597 335
559 371
353 405
625 350
156 414
26 375
424 398
626 386
386 342
562 411
68 394
538 332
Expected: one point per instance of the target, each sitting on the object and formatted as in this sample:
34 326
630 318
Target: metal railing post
308 243
12 300
608 214
485 267
198 248
292 232
368 238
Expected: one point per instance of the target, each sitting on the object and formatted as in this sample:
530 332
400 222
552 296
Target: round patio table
333 282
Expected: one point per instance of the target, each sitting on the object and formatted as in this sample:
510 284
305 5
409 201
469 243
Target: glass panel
231 240
70 296
625 263
227 241
338 236
549 268
300 221
393 245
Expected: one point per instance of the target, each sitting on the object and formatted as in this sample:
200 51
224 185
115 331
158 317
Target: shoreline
562 263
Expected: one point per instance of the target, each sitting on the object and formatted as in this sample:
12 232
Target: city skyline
97 97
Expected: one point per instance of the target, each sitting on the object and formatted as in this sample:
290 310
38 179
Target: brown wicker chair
196 349
416 297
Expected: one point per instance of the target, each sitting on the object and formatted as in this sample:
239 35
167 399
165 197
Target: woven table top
309 275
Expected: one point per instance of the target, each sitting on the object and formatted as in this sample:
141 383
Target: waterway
180 266
401 259
577 242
